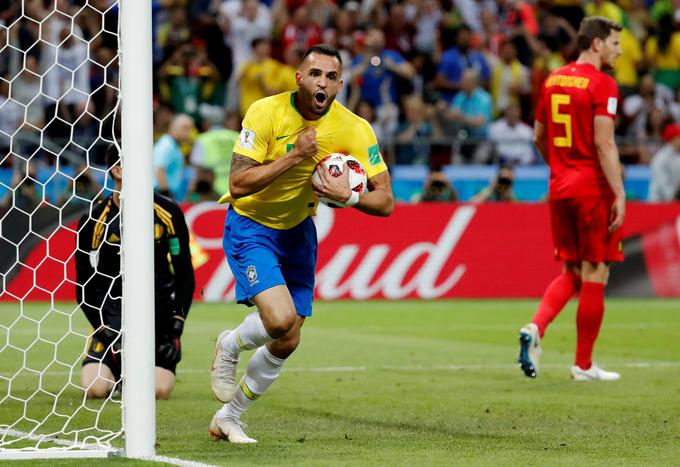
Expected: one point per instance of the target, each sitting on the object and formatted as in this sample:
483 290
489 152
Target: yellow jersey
253 76
270 128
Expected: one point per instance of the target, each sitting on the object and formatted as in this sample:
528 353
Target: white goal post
43 411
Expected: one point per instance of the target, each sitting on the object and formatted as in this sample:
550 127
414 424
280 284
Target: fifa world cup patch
374 157
246 139
612 103
251 274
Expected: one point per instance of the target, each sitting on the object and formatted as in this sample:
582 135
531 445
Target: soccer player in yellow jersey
269 236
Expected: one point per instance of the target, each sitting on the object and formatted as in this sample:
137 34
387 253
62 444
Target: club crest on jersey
251 274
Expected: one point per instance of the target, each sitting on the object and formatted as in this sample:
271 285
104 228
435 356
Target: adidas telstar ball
357 175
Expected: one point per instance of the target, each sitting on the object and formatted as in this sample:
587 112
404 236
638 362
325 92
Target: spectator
649 137
512 137
638 20
68 83
414 134
188 79
490 38
174 32
510 80
11 116
662 52
628 66
257 77
202 187
455 61
383 120
428 15
605 8
342 33
500 189
470 11
214 147
284 79
168 160
471 111
300 30
26 91
377 64
242 21
321 12
674 107
547 58
437 187
399 32
665 167
637 107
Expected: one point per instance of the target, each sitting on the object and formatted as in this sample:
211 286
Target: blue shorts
261 258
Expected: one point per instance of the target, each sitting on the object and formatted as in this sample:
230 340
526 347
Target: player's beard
313 104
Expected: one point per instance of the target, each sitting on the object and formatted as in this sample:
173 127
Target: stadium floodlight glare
44 412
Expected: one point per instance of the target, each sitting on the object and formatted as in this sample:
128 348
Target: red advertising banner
425 251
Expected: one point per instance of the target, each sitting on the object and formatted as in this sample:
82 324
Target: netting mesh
58 99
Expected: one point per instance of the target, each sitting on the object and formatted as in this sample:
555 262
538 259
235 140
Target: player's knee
98 389
279 325
163 390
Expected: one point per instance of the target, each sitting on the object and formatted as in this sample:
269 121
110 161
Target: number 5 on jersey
561 118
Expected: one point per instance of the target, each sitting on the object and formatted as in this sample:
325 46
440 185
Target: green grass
420 383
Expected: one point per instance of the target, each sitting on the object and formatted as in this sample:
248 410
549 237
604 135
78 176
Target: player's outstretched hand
305 144
328 186
618 213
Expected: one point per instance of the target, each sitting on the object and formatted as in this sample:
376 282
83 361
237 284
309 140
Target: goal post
43 335
139 388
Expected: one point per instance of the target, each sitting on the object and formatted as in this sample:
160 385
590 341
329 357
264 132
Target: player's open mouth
320 98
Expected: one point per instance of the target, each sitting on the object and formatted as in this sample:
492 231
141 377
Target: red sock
588 322
555 297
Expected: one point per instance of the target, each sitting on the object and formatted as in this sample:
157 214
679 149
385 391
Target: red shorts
580 229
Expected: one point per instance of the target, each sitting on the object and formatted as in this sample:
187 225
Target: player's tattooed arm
240 163
247 176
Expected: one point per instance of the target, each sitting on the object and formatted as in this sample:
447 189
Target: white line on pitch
96 447
358 369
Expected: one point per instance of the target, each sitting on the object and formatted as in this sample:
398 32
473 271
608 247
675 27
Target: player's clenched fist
305 144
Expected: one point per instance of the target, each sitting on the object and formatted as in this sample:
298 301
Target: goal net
62 78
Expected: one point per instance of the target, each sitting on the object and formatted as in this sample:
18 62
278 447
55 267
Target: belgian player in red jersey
574 132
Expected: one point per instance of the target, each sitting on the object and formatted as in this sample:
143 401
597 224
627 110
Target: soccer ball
357 175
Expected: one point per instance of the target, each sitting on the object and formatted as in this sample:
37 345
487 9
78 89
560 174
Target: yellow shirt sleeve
650 48
364 147
253 141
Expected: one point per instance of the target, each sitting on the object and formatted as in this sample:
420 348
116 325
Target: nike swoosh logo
281 137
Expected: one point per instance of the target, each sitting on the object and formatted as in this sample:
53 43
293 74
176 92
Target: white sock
263 369
249 335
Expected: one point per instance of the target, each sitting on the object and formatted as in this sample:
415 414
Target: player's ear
597 44
117 172
298 77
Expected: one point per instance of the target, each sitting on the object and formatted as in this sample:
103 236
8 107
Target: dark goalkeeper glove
171 349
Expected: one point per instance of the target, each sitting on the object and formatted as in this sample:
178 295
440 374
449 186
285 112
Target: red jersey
570 99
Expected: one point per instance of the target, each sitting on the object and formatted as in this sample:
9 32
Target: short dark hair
595 27
112 155
324 49
257 41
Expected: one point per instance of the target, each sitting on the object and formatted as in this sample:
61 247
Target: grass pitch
425 383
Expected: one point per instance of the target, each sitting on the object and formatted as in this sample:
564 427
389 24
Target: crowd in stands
441 81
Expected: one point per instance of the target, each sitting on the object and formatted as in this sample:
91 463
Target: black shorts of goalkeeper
104 348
